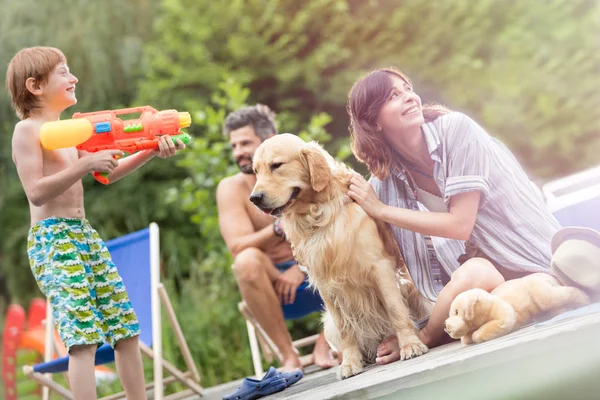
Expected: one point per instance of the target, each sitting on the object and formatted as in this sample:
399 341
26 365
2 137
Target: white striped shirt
513 225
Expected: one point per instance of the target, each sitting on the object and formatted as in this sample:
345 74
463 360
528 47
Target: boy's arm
129 164
28 158
235 224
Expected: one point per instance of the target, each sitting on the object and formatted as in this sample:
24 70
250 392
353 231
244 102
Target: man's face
244 143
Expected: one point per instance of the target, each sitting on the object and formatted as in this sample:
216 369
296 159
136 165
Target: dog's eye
274 166
456 312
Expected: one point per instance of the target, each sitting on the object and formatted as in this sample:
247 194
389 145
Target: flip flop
251 389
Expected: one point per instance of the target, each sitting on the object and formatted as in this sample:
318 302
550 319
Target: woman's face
401 111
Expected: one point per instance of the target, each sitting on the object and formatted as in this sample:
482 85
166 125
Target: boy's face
59 90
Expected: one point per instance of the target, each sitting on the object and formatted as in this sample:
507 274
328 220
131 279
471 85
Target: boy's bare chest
58 160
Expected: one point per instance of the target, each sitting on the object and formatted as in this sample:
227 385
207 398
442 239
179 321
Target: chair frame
259 340
190 378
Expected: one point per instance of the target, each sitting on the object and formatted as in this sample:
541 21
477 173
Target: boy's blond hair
33 62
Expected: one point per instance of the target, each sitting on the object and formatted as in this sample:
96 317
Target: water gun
104 130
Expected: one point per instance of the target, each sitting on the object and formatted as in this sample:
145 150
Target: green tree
526 70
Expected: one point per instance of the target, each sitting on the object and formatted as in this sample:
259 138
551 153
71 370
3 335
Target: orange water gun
104 130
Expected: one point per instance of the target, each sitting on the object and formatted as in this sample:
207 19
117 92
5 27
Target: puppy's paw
467 339
349 368
413 349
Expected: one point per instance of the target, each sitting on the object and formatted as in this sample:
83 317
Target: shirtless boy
69 260
264 266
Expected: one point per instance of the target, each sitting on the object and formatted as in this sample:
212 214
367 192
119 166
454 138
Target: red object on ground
13 329
31 336
36 314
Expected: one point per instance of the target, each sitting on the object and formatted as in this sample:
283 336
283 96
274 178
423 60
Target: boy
69 260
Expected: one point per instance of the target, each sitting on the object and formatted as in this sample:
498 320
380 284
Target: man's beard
245 169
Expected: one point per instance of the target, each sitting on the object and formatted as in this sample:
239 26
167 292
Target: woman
440 180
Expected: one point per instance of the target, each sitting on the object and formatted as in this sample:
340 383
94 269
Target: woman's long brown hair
365 100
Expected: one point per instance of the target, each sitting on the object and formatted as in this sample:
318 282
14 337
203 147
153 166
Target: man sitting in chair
265 269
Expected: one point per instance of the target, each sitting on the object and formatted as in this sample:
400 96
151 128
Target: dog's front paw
349 368
413 349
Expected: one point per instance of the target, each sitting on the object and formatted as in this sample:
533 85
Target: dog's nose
257 198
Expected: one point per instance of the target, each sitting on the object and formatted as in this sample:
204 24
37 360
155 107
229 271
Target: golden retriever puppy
352 260
477 316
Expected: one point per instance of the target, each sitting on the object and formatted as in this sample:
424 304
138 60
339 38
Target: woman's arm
467 187
457 223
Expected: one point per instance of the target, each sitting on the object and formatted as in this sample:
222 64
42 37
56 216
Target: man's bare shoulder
234 184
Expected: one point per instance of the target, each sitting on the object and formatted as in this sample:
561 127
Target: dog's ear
471 308
318 169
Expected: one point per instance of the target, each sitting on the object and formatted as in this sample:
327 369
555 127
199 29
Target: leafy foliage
526 70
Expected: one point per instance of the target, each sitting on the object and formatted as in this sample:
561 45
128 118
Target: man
264 266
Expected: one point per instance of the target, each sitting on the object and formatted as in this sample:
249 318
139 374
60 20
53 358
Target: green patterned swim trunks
74 270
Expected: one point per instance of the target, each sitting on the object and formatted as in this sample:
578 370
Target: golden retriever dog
352 260
477 316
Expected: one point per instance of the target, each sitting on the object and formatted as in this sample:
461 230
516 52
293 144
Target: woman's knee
477 273
249 264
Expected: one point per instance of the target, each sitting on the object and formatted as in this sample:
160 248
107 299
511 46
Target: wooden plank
554 360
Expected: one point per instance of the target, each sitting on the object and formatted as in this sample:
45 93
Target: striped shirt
513 225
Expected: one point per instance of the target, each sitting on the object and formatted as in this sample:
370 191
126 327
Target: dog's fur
477 316
352 260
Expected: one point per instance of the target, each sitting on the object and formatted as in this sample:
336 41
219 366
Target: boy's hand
166 147
102 161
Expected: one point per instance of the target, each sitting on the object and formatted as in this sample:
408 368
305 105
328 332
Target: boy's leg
128 359
82 378
58 265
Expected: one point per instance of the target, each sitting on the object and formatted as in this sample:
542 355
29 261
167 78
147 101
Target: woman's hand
362 193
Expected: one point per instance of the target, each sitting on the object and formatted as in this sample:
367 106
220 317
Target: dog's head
468 311
287 168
